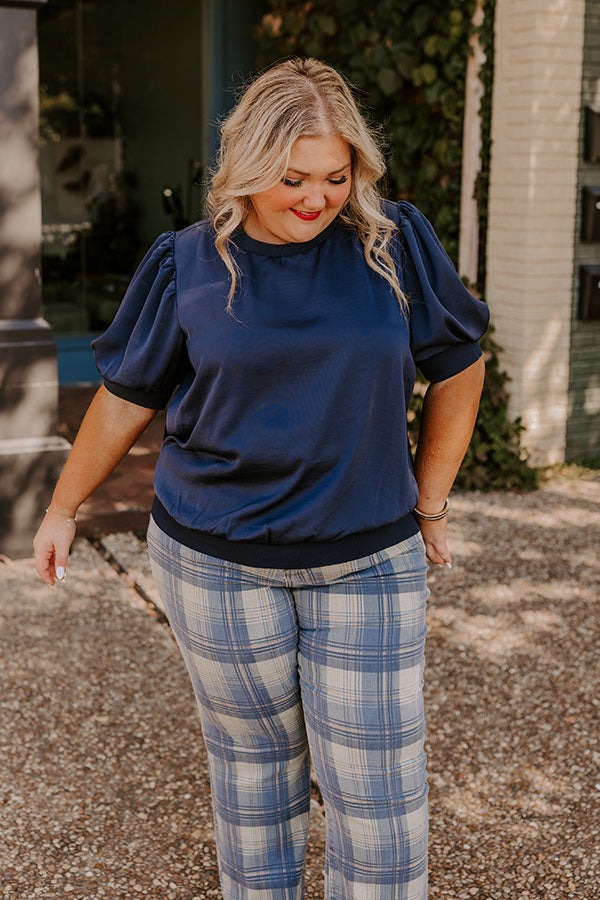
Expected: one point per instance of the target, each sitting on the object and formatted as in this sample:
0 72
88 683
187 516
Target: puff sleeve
139 355
446 320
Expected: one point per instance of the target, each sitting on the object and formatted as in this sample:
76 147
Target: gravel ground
104 787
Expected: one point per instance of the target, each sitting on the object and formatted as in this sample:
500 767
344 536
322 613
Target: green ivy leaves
420 18
326 25
388 81
424 74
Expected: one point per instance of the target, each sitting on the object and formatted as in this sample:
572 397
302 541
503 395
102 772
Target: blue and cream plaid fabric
327 661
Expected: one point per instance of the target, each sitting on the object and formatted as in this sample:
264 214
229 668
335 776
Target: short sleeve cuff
149 400
450 361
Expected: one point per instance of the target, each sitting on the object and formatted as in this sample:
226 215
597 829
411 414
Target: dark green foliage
486 75
407 62
494 459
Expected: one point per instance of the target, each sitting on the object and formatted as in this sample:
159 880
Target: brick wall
583 419
532 207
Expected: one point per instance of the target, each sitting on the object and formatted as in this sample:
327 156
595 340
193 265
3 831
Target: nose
314 199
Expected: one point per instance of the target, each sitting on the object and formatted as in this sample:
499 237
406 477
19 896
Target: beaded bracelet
439 515
68 518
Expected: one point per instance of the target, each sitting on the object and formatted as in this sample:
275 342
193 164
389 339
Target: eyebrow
335 171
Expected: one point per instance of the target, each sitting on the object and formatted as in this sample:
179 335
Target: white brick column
532 205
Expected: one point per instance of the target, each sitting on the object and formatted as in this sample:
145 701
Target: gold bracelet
439 515
64 515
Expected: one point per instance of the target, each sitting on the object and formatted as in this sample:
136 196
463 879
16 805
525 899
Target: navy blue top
286 434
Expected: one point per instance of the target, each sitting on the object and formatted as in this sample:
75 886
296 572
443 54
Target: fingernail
448 564
60 573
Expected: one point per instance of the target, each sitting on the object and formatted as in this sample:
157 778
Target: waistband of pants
304 554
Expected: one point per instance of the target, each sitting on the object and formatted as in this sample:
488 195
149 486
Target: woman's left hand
436 545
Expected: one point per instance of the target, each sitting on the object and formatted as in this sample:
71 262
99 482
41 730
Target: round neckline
251 245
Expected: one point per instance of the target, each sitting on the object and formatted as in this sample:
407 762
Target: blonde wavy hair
289 100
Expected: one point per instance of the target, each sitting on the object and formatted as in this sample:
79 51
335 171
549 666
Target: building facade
547 70
109 117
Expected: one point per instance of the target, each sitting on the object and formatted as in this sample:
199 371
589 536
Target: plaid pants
325 660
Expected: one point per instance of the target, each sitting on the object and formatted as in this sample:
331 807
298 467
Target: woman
290 531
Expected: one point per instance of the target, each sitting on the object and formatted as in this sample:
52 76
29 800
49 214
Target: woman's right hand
109 429
51 545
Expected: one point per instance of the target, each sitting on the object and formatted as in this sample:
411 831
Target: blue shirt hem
140 398
450 361
305 554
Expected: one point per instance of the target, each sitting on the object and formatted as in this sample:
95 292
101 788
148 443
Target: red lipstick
307 217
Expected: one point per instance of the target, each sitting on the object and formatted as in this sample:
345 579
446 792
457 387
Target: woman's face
317 183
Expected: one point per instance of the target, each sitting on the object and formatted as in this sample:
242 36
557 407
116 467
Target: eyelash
290 183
